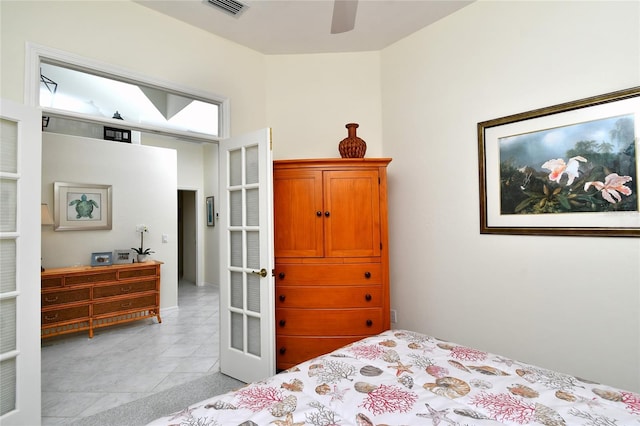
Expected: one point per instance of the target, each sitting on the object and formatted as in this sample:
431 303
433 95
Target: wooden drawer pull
367 297
281 275
282 323
367 274
369 323
50 299
283 350
125 289
319 213
282 297
51 317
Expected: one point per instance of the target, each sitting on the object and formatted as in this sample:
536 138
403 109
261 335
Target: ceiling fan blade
344 16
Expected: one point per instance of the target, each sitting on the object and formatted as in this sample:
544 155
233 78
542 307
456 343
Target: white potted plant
141 251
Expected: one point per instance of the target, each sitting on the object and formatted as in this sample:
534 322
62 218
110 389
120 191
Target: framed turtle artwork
81 206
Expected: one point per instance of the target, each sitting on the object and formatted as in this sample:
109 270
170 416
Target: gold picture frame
569 169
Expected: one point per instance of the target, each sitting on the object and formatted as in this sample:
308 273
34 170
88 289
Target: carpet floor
145 410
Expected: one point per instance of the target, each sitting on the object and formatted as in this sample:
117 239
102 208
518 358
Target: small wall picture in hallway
80 206
569 169
210 212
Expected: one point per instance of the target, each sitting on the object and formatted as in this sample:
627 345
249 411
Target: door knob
262 272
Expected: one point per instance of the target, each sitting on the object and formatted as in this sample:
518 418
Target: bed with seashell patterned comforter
406 378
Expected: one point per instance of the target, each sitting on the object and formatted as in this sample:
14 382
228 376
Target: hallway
82 376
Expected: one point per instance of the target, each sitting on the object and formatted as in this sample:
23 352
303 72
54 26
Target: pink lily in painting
612 187
558 167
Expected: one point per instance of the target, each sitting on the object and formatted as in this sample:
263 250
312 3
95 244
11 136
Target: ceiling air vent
231 7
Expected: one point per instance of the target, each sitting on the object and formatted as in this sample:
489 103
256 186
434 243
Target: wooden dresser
84 298
331 255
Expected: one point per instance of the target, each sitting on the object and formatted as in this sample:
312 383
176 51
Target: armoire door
352 213
298 213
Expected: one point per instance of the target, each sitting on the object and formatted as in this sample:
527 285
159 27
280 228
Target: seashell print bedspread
406 378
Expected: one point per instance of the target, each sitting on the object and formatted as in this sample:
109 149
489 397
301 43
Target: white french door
247 335
20 232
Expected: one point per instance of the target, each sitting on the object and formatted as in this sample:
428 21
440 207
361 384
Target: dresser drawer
135 273
66 314
51 282
328 322
292 350
123 288
125 304
109 275
67 296
328 297
329 274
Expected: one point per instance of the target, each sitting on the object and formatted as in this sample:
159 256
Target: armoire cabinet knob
282 297
369 323
283 350
281 275
319 213
367 297
367 274
282 323
327 214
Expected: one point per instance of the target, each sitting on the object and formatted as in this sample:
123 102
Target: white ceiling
303 26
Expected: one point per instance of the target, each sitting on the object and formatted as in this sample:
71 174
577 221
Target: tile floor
82 376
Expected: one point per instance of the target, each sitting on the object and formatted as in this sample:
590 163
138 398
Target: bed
406 378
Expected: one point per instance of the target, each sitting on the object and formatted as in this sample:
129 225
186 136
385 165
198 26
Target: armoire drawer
329 297
329 274
62 315
124 304
66 296
103 291
292 350
329 322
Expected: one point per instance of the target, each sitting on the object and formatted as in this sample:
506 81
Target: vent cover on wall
231 7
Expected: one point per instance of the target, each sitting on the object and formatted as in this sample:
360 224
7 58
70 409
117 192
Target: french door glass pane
8 325
253 293
7 386
253 207
237 293
253 250
9 146
235 239
253 170
8 199
235 207
254 336
236 331
235 167
7 265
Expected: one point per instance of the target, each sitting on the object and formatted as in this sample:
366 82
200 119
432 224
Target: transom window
72 93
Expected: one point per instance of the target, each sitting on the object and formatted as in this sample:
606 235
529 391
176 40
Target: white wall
144 191
571 304
310 98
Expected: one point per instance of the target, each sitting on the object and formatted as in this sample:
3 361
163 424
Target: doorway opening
187 237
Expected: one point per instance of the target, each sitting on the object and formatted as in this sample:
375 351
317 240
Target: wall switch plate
165 238
394 316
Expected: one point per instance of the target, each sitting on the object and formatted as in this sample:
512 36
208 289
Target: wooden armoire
331 254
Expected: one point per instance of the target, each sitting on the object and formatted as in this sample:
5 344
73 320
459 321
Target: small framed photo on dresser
122 256
103 258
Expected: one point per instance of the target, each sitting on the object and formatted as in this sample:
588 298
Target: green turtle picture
84 207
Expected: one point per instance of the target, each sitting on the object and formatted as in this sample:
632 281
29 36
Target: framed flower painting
568 169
